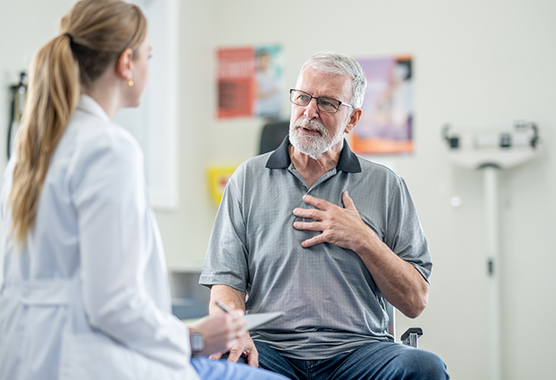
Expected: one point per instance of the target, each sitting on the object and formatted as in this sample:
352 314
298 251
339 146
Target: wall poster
250 82
386 126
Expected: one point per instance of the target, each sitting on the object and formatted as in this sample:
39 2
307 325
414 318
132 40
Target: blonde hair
94 35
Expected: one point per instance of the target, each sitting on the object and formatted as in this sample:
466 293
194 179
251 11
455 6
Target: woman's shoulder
93 147
93 135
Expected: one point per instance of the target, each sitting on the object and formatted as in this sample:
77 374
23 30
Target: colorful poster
386 126
250 82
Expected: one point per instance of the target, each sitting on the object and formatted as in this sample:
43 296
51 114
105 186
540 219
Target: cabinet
189 299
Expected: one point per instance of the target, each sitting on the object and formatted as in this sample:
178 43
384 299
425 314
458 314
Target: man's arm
402 285
235 299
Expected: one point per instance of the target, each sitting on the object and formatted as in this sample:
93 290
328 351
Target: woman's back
52 246
93 219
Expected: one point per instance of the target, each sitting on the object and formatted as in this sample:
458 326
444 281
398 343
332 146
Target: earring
130 83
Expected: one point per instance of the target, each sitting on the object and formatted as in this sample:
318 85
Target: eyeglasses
324 104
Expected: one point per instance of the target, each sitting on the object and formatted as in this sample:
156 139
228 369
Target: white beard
313 146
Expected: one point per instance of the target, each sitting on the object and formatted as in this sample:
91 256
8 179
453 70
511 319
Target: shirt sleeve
404 234
226 261
108 190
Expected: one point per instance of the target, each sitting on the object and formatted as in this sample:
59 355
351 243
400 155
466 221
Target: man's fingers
348 202
235 353
313 241
321 204
252 357
216 356
309 213
310 226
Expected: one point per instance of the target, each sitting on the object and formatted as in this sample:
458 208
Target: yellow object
218 178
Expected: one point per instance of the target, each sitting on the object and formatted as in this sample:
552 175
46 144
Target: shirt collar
89 105
280 158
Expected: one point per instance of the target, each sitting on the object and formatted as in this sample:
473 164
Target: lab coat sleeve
109 194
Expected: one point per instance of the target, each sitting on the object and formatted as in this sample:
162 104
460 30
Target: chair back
391 328
272 135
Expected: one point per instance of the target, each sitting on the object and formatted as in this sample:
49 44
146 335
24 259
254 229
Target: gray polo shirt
331 302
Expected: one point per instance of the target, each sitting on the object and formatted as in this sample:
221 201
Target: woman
85 293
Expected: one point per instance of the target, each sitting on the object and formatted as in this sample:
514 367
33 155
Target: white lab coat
87 296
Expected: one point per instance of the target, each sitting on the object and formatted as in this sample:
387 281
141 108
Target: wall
474 61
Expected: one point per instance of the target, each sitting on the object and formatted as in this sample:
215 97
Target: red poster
236 82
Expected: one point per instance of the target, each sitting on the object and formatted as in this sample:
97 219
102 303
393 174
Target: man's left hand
339 226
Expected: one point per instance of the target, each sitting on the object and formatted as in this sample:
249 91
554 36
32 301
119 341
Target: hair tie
70 38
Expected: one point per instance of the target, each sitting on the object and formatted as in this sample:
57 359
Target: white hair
335 63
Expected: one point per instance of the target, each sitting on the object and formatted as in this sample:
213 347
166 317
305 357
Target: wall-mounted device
503 145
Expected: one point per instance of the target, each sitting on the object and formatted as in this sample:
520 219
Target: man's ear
123 65
353 119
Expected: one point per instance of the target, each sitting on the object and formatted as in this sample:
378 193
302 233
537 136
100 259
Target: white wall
474 61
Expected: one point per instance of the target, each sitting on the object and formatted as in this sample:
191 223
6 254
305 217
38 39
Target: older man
326 236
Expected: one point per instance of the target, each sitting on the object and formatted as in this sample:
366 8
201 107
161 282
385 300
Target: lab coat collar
280 158
89 105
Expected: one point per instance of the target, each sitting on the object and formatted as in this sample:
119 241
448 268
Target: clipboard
259 319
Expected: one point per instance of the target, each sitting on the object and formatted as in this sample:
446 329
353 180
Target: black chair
410 336
272 135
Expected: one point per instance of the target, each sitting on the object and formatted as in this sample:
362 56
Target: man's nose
312 109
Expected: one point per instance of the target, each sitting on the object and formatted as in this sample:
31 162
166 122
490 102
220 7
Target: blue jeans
375 360
220 370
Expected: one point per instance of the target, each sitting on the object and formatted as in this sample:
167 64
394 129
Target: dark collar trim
280 158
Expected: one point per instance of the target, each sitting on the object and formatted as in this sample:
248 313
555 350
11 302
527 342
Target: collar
280 158
89 105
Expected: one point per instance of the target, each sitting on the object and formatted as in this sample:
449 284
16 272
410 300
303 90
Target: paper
258 319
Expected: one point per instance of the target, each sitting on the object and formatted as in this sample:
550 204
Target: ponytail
95 33
53 96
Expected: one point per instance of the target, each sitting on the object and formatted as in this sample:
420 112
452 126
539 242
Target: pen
223 307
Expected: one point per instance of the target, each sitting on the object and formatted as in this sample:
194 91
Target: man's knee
421 364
